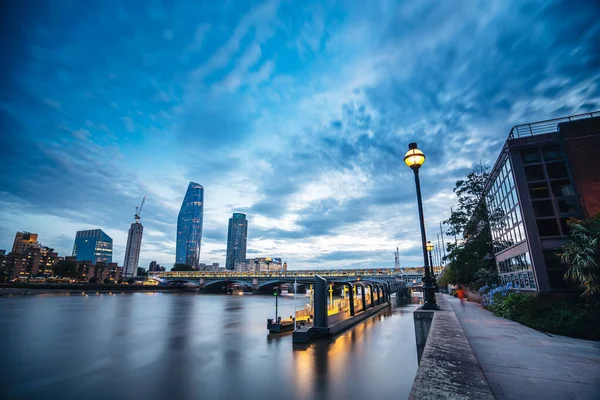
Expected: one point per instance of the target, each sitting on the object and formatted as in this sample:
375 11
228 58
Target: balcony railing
548 126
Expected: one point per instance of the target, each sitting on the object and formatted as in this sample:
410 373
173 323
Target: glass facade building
237 239
93 245
189 226
530 196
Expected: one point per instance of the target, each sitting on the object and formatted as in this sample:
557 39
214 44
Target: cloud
297 114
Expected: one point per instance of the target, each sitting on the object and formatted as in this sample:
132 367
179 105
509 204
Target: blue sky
295 112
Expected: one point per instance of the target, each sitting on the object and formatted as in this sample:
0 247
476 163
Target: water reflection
186 346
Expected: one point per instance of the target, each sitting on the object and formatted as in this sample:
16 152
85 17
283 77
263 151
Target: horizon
298 116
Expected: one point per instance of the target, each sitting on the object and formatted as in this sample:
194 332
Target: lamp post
430 248
414 158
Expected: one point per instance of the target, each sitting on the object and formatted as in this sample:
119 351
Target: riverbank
25 289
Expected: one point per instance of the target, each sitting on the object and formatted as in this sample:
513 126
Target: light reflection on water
186 346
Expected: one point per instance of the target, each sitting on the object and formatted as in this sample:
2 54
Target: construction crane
138 209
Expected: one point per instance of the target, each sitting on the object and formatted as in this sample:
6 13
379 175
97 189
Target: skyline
297 116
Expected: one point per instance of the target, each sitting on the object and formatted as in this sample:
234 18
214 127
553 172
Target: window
531 156
556 170
534 172
552 153
562 188
543 208
547 227
567 206
538 190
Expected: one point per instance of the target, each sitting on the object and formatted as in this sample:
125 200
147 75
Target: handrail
546 126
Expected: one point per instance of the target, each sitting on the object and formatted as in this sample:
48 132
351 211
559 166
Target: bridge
264 280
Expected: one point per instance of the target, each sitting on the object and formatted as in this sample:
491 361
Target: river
189 346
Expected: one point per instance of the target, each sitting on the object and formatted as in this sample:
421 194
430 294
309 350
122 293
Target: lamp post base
429 293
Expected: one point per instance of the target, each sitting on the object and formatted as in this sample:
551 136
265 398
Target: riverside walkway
522 363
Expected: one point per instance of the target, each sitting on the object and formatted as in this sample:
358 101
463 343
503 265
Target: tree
472 260
182 267
93 279
65 268
131 281
142 272
582 255
106 280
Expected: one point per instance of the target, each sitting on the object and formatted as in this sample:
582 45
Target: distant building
264 264
237 238
189 226
93 245
154 267
208 267
132 251
547 172
23 241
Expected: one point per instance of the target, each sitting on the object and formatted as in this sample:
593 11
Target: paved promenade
522 363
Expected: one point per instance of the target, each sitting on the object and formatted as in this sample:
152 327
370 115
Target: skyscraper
189 226
132 251
93 245
134 244
237 238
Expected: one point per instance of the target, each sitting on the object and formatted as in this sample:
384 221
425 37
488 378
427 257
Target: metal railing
292 273
547 126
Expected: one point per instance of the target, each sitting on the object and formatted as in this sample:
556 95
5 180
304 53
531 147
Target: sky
297 113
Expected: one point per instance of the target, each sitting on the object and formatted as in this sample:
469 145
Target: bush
561 316
93 279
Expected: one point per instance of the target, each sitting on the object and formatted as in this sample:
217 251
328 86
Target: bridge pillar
363 295
255 284
371 294
320 300
201 283
347 289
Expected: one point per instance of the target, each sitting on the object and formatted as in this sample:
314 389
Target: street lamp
430 248
414 158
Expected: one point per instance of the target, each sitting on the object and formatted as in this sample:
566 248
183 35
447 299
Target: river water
189 346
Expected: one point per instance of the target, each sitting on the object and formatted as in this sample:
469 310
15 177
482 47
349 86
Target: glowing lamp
414 157
429 246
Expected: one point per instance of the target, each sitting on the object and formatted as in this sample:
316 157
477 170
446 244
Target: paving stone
522 363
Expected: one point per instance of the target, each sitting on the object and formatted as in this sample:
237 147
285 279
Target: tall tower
134 244
237 239
189 226
397 259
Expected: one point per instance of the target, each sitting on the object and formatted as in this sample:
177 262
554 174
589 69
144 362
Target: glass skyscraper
93 245
189 226
237 238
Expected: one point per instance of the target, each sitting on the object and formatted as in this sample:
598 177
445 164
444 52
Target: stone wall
448 368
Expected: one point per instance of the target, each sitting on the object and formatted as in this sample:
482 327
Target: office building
547 172
189 226
132 251
93 245
208 267
237 239
23 241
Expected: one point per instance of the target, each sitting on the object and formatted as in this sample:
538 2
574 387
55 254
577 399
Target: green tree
65 268
106 280
471 261
142 272
182 267
93 279
582 255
